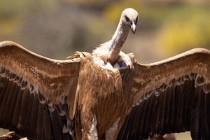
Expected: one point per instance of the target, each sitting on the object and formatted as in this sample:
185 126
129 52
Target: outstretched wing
171 96
37 94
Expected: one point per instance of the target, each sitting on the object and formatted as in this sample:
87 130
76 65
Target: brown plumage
85 97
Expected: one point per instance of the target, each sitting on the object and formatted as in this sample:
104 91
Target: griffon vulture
106 94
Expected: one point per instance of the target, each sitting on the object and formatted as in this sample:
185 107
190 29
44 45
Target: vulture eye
127 19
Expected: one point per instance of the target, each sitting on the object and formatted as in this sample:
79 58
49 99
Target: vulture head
109 54
129 17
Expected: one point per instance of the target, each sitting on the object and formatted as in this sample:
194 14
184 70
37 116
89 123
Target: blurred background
58 28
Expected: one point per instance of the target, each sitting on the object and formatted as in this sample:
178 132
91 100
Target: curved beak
133 27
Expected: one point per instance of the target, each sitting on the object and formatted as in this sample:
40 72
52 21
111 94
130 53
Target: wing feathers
144 117
34 116
11 104
28 117
167 109
207 113
51 77
171 96
40 122
168 112
195 119
4 99
47 129
29 84
15 119
172 106
22 112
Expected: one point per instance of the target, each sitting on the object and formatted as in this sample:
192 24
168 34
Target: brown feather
11 103
15 118
181 106
52 76
24 76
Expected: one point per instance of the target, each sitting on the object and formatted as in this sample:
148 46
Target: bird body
89 97
97 102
